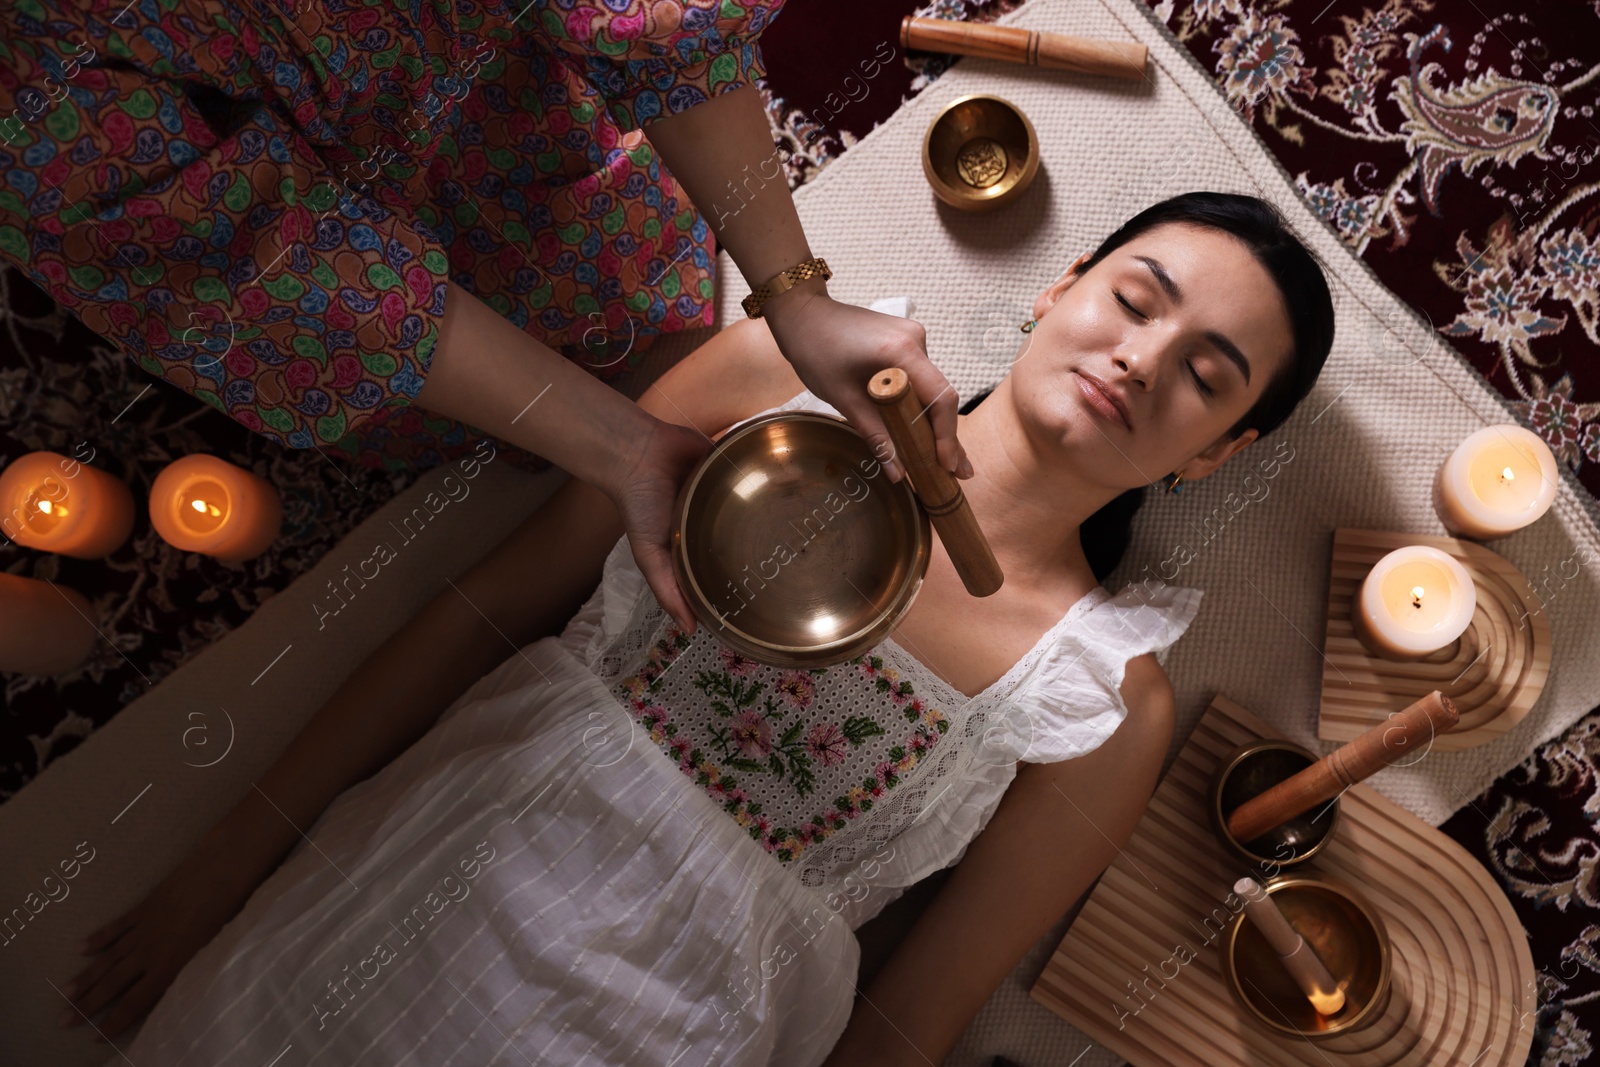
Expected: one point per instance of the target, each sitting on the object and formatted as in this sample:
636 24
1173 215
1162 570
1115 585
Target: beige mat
1365 445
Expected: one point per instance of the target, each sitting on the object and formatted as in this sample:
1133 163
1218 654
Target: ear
1047 299
1215 456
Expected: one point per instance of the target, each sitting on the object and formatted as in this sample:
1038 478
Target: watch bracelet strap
782 282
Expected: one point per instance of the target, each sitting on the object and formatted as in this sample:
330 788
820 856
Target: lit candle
43 630
1414 601
1498 480
204 504
1301 961
56 504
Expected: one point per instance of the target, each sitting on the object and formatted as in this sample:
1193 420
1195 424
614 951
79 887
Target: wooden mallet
1342 768
937 489
1058 51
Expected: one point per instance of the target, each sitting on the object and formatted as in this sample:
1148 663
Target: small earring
1028 326
1173 482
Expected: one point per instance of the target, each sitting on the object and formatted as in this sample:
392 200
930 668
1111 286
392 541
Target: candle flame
1327 1003
204 508
44 506
1416 596
1508 475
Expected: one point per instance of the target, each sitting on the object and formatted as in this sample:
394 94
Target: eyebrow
1223 344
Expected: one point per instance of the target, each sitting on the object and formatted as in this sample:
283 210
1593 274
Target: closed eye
1199 381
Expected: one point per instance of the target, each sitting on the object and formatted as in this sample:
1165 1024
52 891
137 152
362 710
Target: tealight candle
1498 480
204 504
56 504
1414 601
43 630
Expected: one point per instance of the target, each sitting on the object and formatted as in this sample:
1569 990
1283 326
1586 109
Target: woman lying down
624 844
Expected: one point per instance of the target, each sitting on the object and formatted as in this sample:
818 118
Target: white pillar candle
1414 601
1498 480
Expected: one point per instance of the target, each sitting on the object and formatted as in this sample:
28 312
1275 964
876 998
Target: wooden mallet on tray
937 489
1342 768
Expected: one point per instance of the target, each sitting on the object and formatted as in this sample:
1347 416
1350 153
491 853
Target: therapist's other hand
645 493
836 348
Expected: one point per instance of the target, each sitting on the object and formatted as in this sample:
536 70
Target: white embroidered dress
624 846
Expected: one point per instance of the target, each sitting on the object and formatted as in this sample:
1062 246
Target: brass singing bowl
1252 769
980 152
793 546
1347 935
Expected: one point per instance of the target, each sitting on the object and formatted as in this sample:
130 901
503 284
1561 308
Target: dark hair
1295 269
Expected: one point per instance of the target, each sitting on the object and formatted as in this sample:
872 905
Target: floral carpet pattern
1455 151
1452 146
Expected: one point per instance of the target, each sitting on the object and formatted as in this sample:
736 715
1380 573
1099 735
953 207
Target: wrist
790 305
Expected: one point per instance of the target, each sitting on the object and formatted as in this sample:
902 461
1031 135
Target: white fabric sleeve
1072 701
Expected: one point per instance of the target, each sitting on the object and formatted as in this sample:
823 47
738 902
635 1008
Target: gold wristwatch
782 281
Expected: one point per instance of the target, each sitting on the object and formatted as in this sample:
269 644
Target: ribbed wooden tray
1463 978
1494 676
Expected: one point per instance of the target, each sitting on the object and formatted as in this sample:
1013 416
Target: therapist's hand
645 489
836 348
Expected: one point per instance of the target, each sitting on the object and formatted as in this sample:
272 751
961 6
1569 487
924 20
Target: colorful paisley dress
261 201
627 845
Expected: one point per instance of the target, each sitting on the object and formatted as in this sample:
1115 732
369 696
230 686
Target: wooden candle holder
1136 973
1493 673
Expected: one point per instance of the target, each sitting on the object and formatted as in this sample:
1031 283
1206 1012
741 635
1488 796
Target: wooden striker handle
1342 768
937 489
1058 51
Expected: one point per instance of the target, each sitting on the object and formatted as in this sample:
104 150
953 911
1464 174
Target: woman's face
1175 307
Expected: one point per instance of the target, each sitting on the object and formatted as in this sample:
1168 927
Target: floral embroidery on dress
768 725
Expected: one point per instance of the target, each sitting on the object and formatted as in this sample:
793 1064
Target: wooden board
1463 978
1494 675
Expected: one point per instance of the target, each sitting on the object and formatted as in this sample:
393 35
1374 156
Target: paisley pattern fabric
261 203
1454 148
65 389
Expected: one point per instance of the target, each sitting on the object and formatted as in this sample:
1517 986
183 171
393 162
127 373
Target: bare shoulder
1152 704
737 372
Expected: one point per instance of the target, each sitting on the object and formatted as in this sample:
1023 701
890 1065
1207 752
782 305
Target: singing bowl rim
772 653
955 196
1219 819
1374 1003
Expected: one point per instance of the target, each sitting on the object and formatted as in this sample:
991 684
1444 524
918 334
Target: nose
1135 364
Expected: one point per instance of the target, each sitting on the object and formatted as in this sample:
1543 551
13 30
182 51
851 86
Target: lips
1104 400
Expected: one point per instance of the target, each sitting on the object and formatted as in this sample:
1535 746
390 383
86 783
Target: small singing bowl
1252 769
980 152
793 546
1347 935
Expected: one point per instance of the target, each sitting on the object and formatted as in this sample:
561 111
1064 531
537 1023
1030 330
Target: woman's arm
1057 828
721 152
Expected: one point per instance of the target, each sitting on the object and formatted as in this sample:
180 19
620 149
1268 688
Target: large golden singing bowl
980 152
793 546
1346 934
